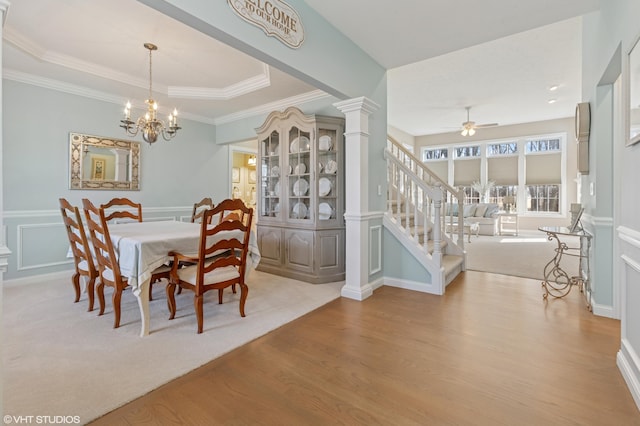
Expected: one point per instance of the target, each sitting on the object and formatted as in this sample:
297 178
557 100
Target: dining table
141 247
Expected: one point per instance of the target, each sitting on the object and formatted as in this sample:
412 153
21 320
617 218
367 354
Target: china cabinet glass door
299 174
270 175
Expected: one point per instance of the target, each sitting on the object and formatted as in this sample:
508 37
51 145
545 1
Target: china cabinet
301 231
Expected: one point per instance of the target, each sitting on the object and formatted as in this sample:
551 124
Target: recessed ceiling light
553 88
552 101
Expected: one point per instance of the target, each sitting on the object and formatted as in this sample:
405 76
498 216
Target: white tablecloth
142 247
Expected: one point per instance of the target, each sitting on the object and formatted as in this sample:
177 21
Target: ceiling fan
469 127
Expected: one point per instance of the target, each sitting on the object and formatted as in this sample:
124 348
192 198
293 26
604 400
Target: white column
4 251
122 161
356 215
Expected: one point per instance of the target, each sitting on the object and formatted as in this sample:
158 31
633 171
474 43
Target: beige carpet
524 255
60 359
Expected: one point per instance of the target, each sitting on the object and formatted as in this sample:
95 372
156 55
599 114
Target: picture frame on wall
634 93
235 174
97 169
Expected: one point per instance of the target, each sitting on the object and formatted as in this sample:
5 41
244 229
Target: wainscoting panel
628 359
375 249
39 244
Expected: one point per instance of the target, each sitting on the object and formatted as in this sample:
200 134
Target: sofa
484 214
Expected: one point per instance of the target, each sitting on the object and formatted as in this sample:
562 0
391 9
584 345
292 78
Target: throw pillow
469 209
492 209
481 209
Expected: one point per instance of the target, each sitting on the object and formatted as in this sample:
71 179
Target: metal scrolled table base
557 282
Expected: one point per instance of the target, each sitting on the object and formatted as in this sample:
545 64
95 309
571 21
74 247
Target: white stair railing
414 187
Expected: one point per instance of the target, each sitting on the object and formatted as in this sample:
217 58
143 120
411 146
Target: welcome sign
275 17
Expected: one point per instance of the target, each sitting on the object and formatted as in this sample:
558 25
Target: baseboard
36 279
412 285
603 310
629 366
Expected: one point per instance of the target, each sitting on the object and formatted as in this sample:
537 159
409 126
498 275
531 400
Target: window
505 148
435 154
466 151
505 196
470 194
543 198
543 145
528 172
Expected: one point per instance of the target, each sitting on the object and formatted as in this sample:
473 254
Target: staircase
416 215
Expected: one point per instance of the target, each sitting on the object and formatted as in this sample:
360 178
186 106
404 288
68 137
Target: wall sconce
252 160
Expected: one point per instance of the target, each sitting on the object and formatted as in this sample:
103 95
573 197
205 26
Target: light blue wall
400 264
36 126
607 38
327 60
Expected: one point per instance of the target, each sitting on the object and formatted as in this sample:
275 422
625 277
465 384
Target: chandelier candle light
150 126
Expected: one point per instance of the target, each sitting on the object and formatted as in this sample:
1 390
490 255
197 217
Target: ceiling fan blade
480 126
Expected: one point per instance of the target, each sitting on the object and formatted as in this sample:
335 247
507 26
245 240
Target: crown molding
74 89
26 45
272 106
249 85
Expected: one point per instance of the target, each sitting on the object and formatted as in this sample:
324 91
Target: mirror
634 94
103 163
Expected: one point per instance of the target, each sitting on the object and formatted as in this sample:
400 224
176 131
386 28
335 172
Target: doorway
243 179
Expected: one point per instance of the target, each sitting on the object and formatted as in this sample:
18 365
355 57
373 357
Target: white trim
629 235
364 217
629 364
19 246
272 106
375 256
412 285
361 293
630 262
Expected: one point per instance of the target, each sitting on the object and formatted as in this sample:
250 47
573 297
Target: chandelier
150 126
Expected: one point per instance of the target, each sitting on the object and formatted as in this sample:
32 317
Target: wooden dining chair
124 205
107 261
221 260
82 256
199 209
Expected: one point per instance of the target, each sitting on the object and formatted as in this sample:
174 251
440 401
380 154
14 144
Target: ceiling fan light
472 131
464 132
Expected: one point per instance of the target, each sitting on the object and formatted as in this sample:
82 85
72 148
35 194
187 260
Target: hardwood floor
489 352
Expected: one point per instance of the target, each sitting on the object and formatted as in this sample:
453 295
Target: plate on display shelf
331 167
275 171
299 144
300 169
274 149
276 189
299 211
325 143
324 186
325 211
276 208
300 187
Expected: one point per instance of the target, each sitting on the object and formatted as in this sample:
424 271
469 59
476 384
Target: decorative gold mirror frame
79 145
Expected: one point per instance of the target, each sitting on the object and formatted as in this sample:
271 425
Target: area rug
524 255
61 360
